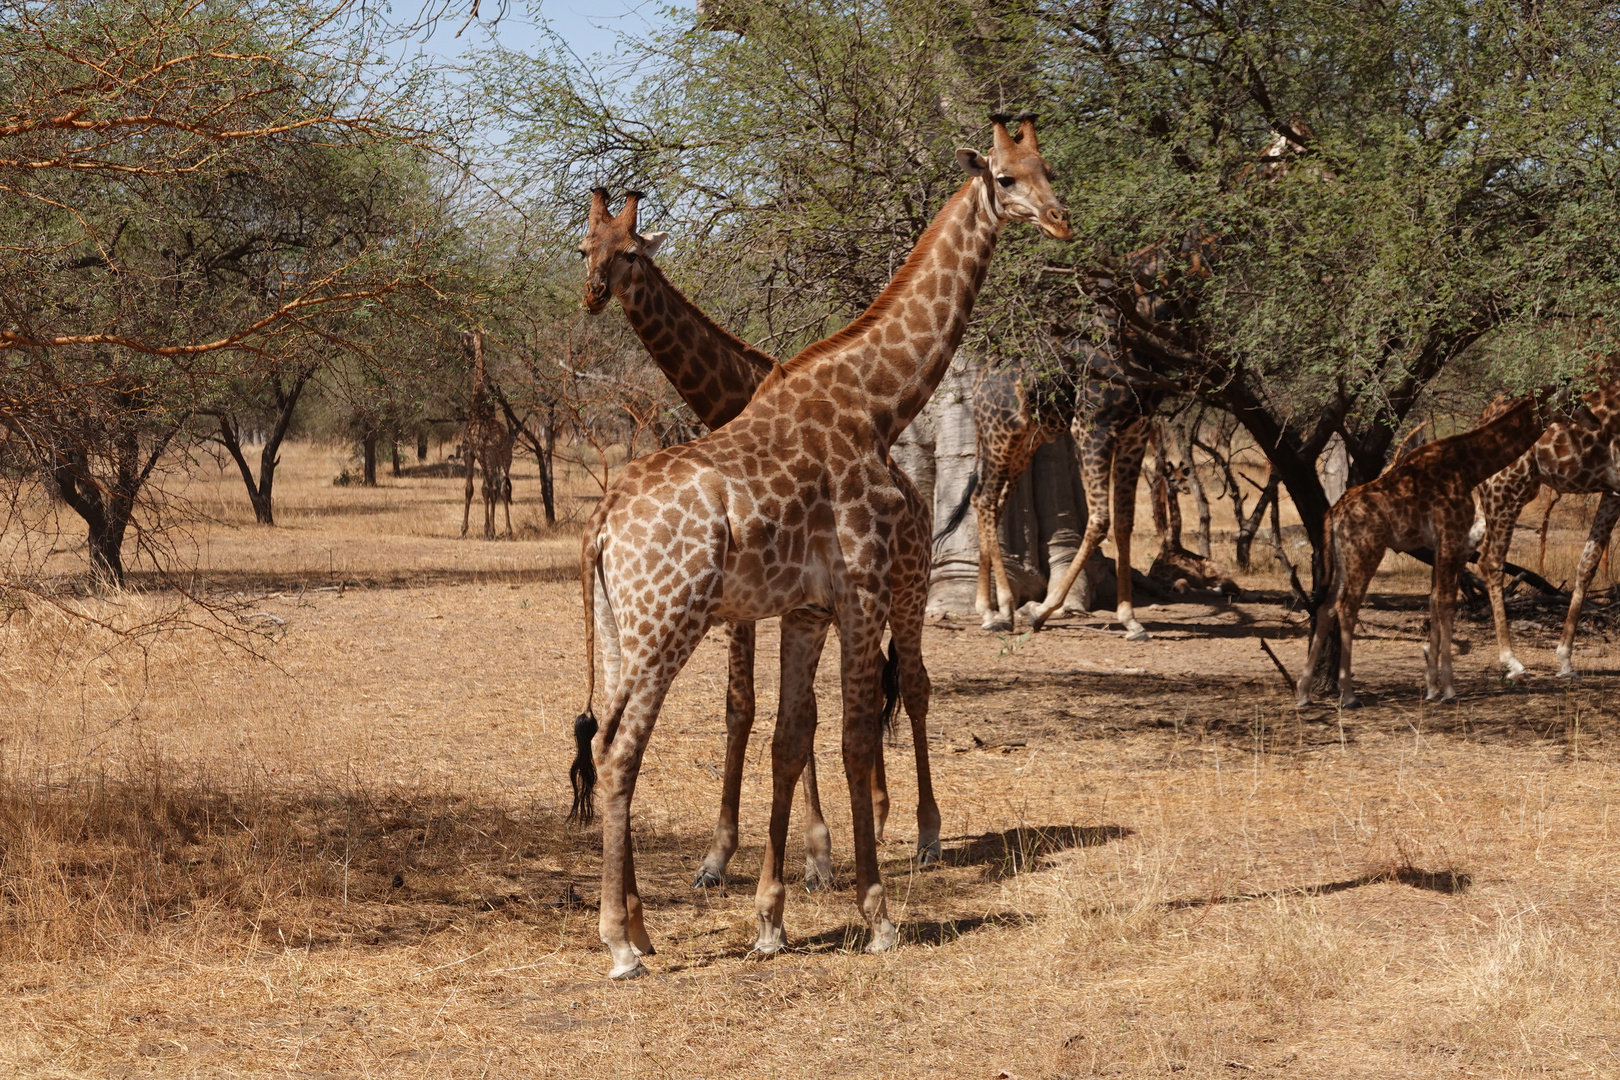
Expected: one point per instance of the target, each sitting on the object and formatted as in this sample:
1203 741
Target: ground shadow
853 938
1015 851
1441 881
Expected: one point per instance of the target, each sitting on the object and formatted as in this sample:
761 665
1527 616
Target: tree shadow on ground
1449 882
853 938
1016 851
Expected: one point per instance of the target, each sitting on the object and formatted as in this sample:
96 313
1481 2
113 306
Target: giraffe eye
1006 181
630 256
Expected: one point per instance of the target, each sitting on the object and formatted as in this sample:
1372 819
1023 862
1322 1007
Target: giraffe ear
651 242
971 162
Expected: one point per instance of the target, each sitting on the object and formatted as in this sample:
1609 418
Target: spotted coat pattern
717 374
1571 459
1423 500
791 510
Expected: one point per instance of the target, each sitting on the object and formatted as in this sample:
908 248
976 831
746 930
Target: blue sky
589 26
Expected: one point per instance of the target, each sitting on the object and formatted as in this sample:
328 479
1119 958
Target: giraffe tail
582 774
891 687
960 513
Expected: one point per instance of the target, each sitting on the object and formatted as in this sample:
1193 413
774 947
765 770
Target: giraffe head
1017 179
611 247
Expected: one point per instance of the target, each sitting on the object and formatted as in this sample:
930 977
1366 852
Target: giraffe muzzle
1054 222
596 297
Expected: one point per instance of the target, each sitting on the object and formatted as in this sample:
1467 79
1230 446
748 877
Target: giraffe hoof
928 852
1138 634
634 971
884 937
1568 673
771 941
997 626
817 877
707 879
1350 703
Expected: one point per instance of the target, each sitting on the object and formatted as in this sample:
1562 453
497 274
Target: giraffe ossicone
788 510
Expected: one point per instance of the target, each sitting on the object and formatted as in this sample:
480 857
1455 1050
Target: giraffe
1016 409
788 510
1111 426
716 374
1569 459
1423 500
488 445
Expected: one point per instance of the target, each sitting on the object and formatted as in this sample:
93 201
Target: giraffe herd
792 507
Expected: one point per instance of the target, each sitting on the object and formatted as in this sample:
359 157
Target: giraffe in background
1423 500
488 445
716 374
788 510
1570 459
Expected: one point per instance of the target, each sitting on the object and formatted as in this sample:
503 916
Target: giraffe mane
891 292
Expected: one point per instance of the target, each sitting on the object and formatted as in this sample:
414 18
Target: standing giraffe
1110 422
788 510
488 445
716 374
1423 500
1572 459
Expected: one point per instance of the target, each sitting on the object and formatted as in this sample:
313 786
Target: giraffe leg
1597 542
791 748
739 725
880 789
996 614
818 870
646 667
1096 466
1358 575
906 625
466 504
1442 606
860 633
1127 470
1502 499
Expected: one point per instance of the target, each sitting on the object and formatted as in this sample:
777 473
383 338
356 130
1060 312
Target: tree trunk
369 449
260 493
1060 507
956 557
398 463
1335 468
421 444
108 506
1183 448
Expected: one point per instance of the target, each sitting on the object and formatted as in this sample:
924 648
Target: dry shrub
1524 994
158 847
1284 955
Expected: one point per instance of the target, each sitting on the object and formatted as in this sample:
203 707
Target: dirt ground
346 856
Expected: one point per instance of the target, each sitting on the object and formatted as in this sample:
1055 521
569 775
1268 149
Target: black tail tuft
582 775
961 510
891 688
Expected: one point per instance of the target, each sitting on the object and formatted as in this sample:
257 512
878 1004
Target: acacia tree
1445 202
139 162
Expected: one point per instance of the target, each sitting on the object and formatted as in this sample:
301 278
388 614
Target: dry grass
347 858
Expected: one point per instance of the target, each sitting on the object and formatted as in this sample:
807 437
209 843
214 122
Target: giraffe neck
713 371
896 353
1488 449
